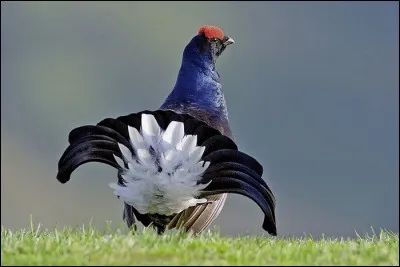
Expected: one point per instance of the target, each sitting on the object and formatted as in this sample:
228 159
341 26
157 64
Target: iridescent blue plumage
198 84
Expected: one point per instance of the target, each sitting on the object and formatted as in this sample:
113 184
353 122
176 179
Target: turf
88 246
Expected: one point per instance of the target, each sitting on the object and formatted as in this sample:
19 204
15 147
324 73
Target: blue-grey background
312 91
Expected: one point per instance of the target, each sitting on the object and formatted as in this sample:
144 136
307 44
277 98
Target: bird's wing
198 218
222 167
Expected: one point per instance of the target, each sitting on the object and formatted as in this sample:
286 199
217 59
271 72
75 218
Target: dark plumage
176 164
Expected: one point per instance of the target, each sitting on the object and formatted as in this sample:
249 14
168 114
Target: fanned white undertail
164 169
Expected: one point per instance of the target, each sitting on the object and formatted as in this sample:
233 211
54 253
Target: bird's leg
160 222
129 217
159 228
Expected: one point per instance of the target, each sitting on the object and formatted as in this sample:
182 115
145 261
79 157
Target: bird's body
176 164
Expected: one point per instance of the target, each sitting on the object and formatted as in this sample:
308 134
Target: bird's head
207 46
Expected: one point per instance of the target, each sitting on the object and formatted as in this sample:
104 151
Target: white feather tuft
195 155
126 153
187 143
135 137
174 133
162 176
151 133
119 161
149 125
198 168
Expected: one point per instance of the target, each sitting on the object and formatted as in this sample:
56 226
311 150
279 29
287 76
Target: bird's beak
228 40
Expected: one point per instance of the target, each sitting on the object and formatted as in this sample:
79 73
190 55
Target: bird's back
210 118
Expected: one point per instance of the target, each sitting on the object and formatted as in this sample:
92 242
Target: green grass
87 246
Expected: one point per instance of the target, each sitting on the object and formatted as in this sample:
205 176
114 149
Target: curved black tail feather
230 170
233 185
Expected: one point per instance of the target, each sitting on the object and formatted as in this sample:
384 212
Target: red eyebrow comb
212 32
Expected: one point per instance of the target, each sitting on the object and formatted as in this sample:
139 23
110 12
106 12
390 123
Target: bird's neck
198 86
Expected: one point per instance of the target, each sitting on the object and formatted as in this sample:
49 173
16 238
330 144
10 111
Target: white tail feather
144 157
136 139
187 143
126 153
151 132
133 165
119 161
174 133
163 176
195 156
150 125
198 168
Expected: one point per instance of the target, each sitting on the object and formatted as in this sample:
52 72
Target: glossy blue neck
198 83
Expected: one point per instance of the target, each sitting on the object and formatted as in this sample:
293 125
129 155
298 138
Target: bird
176 164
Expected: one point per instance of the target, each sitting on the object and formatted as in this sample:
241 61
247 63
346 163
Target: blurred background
312 90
